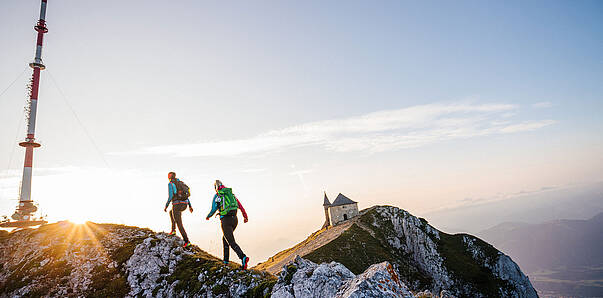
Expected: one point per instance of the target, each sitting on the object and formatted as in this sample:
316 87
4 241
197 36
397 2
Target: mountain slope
425 257
565 257
104 260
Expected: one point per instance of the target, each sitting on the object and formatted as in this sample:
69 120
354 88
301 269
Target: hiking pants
176 217
229 224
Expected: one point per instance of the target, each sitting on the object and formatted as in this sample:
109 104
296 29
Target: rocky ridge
427 259
105 260
303 278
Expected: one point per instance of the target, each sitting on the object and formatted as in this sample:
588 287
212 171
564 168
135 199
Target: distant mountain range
545 204
562 257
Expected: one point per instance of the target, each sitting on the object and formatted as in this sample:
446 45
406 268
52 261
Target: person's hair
217 184
172 175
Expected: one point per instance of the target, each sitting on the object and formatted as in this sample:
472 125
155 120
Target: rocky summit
384 252
105 260
425 258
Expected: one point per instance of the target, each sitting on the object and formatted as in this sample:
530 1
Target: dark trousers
229 224
176 217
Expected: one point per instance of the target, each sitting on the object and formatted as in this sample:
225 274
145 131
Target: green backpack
229 202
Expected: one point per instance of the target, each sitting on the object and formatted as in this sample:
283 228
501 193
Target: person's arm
170 195
214 207
190 207
242 210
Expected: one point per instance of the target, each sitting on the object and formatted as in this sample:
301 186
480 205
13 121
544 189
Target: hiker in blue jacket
178 205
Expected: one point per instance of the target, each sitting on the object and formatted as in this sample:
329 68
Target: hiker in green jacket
228 204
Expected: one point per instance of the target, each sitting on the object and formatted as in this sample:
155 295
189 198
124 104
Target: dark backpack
182 190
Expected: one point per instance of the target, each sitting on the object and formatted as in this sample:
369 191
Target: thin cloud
542 105
374 132
527 126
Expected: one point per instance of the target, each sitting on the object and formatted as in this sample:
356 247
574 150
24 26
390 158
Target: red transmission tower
24 215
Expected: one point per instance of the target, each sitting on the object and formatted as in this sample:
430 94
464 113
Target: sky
422 105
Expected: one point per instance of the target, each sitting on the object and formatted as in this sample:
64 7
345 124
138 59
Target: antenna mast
23 216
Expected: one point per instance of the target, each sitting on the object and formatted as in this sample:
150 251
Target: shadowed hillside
426 258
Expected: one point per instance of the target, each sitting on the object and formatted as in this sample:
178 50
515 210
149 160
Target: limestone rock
304 279
379 280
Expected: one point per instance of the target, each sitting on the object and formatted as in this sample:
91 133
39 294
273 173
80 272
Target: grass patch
219 289
107 282
291 269
357 249
125 251
191 266
19 276
463 267
115 287
40 291
264 287
58 269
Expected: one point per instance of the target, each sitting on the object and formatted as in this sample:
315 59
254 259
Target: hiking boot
245 261
172 233
187 244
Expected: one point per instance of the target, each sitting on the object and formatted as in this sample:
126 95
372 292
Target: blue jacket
215 205
172 191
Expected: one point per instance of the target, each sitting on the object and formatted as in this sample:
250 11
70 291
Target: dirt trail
317 239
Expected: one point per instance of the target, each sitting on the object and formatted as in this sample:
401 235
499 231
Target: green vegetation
40 291
107 282
423 221
366 243
62 238
357 249
462 266
191 266
125 251
29 270
291 269
219 289
265 285
19 276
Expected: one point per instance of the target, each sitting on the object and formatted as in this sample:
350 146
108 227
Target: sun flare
78 220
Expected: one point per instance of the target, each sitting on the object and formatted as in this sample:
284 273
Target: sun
78 220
